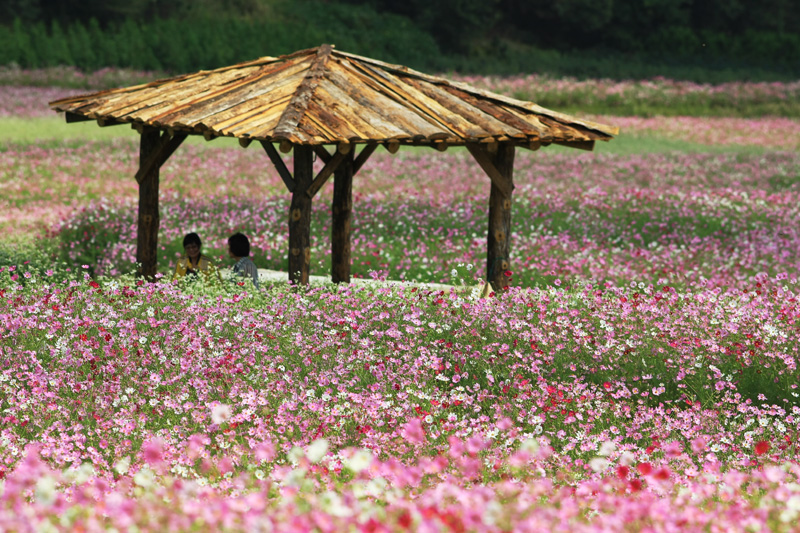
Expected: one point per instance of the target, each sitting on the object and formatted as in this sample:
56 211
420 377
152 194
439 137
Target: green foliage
38 259
681 40
92 237
179 45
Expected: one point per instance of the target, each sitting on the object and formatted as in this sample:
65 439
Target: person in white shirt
239 250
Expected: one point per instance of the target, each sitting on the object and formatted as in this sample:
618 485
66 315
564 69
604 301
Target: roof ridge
298 105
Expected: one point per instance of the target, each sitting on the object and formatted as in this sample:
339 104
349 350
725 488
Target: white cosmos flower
220 413
360 460
123 465
607 448
626 459
598 464
317 450
144 477
334 504
45 492
529 445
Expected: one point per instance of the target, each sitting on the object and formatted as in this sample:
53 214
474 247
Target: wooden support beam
341 209
498 245
325 173
165 147
280 166
148 220
300 217
367 151
486 160
392 146
580 145
74 117
106 122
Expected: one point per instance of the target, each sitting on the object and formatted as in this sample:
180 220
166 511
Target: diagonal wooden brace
322 153
167 146
481 155
325 173
362 157
280 166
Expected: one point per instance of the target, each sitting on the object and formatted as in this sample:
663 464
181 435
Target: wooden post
498 248
147 232
300 216
341 207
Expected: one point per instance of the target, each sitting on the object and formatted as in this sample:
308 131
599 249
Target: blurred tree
59 47
25 10
717 15
585 16
454 24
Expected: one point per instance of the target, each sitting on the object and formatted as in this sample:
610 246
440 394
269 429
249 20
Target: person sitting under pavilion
194 262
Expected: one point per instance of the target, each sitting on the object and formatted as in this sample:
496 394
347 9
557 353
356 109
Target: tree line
466 35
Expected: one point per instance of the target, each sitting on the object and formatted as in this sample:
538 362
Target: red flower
508 273
404 520
644 468
623 471
762 447
94 284
662 474
606 385
635 485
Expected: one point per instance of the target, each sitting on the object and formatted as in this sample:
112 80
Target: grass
54 131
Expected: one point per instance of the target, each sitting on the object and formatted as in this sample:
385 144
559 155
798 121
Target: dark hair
239 245
191 238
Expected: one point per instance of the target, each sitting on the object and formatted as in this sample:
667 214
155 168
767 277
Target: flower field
640 374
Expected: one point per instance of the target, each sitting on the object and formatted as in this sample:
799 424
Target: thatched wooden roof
324 96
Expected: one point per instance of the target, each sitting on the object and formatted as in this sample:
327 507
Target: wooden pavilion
321 97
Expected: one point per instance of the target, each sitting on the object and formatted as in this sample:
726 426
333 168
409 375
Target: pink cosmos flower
505 423
153 451
265 451
456 447
698 444
413 431
196 445
475 444
673 449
